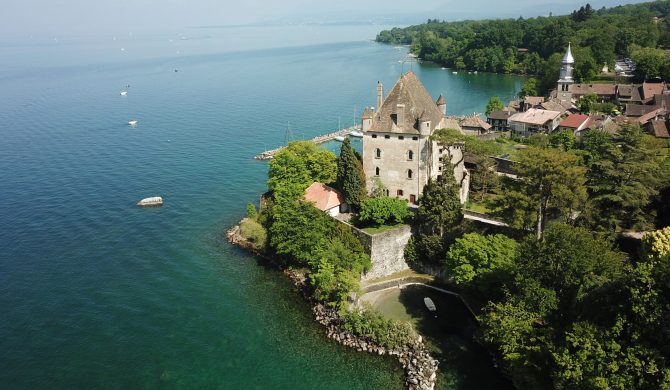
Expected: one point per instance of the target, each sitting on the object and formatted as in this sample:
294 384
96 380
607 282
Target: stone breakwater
420 368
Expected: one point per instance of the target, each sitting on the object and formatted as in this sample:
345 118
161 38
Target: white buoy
132 122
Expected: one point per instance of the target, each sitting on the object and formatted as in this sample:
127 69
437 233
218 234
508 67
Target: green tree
551 182
563 139
587 103
474 256
383 211
623 182
494 104
297 166
530 88
349 180
484 178
440 206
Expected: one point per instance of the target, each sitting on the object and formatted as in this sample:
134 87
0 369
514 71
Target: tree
550 181
297 166
440 206
587 103
530 88
623 182
494 104
474 256
484 178
563 139
349 180
596 144
383 211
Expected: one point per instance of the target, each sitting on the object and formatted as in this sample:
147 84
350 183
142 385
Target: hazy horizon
81 17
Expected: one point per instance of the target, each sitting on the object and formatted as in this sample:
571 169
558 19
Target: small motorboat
132 122
151 202
124 93
430 305
454 72
356 133
339 138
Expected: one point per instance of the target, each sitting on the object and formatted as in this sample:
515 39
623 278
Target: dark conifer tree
350 177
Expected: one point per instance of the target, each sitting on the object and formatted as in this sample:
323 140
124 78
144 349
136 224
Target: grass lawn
509 148
483 207
379 229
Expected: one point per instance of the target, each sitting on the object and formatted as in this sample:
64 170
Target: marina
340 134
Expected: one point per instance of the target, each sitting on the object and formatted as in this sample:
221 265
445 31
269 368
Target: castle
397 149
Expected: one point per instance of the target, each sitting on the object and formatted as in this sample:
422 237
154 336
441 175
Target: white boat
132 122
454 72
356 133
124 93
430 305
475 72
150 202
339 138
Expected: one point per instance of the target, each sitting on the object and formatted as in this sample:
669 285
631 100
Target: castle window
378 153
415 138
374 135
439 168
409 173
400 193
377 171
441 150
440 159
401 137
387 136
410 155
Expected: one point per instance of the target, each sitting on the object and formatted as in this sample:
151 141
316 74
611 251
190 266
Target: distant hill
534 46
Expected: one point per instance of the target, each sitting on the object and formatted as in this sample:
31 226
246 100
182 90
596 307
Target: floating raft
151 202
269 154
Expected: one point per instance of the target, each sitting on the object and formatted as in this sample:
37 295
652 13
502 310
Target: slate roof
323 197
409 91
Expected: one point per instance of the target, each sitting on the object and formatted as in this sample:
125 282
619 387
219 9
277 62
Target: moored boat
132 122
430 305
339 138
151 202
356 133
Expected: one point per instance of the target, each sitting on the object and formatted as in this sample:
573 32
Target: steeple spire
567 58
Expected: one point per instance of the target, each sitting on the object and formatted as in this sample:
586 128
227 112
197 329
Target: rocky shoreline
420 367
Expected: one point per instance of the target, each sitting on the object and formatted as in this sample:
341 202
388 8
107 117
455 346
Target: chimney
380 94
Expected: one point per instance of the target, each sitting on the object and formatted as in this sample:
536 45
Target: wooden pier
269 154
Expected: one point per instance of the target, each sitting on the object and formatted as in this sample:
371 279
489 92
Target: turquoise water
97 293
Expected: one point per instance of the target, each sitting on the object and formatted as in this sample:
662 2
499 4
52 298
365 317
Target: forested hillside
535 46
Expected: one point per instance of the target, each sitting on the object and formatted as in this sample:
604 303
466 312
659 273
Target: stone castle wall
386 250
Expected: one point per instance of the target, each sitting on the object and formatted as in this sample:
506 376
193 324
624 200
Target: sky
33 17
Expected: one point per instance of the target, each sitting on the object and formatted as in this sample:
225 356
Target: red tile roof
651 89
574 121
323 197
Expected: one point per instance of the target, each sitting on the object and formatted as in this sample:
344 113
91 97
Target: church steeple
566 80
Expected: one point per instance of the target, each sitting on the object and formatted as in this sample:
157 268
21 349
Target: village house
531 102
498 119
326 199
658 128
575 123
534 121
397 148
474 125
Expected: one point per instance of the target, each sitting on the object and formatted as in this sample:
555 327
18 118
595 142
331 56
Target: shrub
385 332
383 211
253 232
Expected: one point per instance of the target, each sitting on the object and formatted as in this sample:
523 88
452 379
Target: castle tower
366 119
563 92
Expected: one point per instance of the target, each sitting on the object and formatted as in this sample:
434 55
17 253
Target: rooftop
598 89
659 128
574 121
418 103
323 197
474 120
500 114
535 116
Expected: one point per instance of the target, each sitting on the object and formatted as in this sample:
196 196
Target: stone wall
386 250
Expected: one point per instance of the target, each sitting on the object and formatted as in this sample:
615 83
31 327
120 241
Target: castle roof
323 197
440 100
418 103
367 114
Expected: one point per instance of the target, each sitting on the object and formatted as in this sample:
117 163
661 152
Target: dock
269 154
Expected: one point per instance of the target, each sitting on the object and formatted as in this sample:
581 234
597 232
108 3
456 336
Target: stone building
396 143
